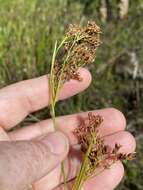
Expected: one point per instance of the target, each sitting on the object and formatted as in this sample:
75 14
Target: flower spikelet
100 154
79 49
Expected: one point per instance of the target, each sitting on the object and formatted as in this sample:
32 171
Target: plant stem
34 117
55 88
80 178
64 176
53 101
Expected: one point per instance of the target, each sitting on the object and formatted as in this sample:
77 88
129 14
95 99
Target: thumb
24 162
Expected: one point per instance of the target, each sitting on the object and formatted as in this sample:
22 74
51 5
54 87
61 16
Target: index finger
22 98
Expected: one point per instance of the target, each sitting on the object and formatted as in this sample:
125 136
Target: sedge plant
76 50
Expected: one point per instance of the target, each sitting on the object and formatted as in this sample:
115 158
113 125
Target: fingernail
57 142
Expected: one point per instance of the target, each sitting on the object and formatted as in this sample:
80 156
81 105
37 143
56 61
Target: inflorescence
99 155
79 49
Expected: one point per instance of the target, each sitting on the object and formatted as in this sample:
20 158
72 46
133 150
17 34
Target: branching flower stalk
77 49
95 152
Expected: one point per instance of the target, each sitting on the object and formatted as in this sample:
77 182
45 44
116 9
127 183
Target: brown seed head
79 50
100 154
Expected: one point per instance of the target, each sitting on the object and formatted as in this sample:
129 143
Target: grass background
28 30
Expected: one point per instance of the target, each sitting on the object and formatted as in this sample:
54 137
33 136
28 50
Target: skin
27 155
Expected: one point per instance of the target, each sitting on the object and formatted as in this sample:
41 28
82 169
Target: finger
24 162
124 138
73 163
113 122
18 100
107 180
112 177
71 167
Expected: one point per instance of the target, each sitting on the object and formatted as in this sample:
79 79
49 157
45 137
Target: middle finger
113 122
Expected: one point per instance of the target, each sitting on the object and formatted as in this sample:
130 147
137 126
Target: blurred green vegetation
28 30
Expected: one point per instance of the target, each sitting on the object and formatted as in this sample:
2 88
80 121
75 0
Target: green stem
80 178
34 117
62 164
64 176
53 116
55 92
53 101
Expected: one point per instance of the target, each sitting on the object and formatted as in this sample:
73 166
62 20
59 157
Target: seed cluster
79 50
100 155
88 39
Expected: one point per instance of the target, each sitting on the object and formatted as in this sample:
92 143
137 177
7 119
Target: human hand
26 155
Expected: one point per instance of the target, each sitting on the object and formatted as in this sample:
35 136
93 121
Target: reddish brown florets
88 39
100 154
79 50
